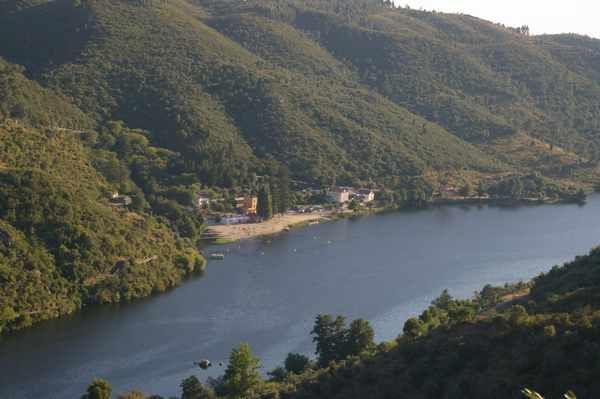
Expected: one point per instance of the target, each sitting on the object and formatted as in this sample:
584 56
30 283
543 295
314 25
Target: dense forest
63 245
160 100
357 90
506 342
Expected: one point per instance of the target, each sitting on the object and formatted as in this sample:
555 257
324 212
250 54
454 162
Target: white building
339 195
203 201
366 195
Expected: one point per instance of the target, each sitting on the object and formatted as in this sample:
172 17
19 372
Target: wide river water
382 268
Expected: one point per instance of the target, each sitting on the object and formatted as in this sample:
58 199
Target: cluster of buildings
342 195
246 205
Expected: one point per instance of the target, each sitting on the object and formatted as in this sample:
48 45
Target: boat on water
217 256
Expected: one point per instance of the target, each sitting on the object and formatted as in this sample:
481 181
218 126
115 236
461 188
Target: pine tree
283 186
98 389
265 203
242 377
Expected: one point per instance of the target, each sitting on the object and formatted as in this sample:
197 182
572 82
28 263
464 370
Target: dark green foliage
336 342
360 337
64 245
359 91
264 207
296 363
242 378
217 102
532 187
98 389
330 338
282 201
26 101
192 388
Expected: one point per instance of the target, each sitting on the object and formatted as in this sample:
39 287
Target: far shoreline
226 234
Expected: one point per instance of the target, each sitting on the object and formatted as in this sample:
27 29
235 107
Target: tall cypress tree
275 194
283 186
265 203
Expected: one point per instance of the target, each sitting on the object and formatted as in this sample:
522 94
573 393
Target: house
366 195
250 205
339 195
120 200
203 200
247 205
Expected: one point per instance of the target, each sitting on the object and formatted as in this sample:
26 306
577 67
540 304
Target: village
246 220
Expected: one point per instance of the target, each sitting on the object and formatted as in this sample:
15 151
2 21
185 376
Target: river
383 268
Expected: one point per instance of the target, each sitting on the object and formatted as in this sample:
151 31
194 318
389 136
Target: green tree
283 186
330 337
264 207
443 301
296 363
98 389
359 338
242 377
192 388
274 190
413 327
354 205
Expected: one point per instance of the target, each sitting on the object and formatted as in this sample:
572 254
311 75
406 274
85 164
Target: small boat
204 364
217 256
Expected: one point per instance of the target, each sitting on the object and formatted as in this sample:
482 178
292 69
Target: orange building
249 205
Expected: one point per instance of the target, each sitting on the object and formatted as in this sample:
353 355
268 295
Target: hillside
359 91
63 245
490 347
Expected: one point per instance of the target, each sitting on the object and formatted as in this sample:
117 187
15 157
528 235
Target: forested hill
63 245
356 90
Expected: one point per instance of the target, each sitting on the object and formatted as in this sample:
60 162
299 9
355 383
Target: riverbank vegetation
507 342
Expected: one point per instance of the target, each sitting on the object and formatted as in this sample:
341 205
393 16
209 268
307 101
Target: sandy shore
279 223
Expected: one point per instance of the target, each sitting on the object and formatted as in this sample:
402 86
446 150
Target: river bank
279 223
223 234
